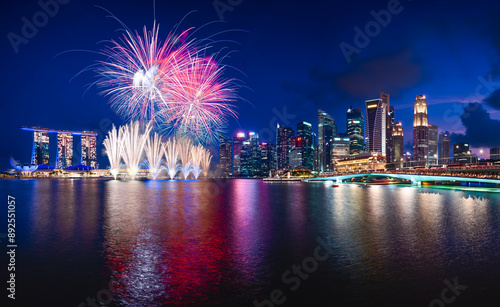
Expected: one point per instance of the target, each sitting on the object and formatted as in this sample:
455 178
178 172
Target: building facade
64 150
462 153
326 131
356 130
433 154
225 156
89 149
41 145
304 132
420 130
495 153
444 147
375 126
398 144
268 156
237 146
283 146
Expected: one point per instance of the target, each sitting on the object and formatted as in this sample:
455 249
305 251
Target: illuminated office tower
89 149
40 154
304 131
246 159
433 145
267 154
64 149
225 156
420 130
356 130
237 145
326 131
283 146
397 143
444 147
340 149
255 154
375 126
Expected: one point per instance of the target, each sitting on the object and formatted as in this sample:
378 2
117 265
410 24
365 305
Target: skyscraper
397 143
64 149
283 146
355 130
388 131
420 130
237 145
255 154
89 149
375 126
326 131
246 159
304 131
267 154
433 144
225 156
444 147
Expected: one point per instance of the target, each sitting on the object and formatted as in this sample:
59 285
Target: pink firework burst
200 101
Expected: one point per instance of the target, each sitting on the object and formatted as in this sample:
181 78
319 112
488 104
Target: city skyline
280 92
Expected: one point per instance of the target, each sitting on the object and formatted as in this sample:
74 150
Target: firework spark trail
171 151
154 155
205 161
133 146
114 149
139 71
200 101
185 146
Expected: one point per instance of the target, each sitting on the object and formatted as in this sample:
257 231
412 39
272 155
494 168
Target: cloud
494 100
481 129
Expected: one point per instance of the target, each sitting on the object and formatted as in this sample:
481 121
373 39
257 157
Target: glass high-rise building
340 149
420 130
356 130
326 131
246 159
283 146
237 146
64 149
89 149
375 126
388 132
397 143
304 131
255 154
225 156
433 145
444 147
267 154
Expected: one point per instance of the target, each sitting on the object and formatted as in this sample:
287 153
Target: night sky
287 53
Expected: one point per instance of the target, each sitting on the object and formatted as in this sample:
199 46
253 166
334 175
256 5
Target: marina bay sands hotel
40 153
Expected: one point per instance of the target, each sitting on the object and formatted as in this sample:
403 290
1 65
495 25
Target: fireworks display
171 83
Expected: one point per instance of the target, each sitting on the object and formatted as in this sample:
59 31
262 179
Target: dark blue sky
290 55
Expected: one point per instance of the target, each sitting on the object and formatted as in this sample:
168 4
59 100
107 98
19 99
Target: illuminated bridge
415 179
